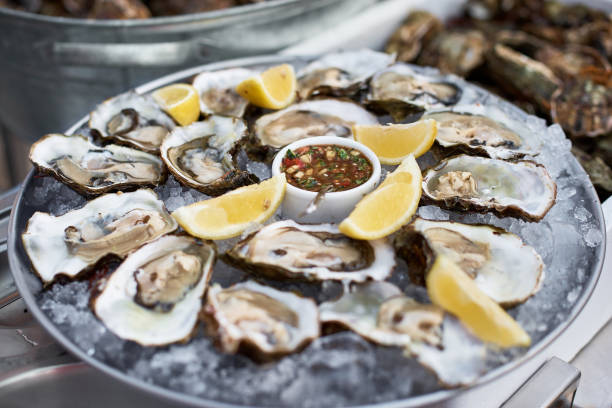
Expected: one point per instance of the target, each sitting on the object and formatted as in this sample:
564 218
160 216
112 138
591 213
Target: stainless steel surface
71 385
555 381
54 70
8 290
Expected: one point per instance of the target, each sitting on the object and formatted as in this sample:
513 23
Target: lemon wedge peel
274 88
387 208
453 290
393 143
180 101
232 213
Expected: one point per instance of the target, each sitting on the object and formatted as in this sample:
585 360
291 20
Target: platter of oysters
500 251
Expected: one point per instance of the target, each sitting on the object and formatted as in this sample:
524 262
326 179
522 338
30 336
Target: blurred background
60 58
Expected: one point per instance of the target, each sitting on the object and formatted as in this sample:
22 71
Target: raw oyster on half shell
522 188
202 155
286 249
322 117
217 91
502 266
381 313
110 224
341 73
154 297
480 129
132 119
260 320
92 169
400 82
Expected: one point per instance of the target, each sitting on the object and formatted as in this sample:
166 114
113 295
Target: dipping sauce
326 167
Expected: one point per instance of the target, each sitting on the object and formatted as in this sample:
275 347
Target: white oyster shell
438 341
117 308
503 267
324 117
523 188
151 127
217 93
131 219
342 70
362 309
313 252
459 360
199 155
401 82
485 129
273 321
94 169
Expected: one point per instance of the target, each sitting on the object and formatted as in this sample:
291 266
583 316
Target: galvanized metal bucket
53 70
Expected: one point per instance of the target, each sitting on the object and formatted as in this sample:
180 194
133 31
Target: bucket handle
159 54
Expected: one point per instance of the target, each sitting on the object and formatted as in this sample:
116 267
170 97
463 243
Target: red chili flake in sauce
329 167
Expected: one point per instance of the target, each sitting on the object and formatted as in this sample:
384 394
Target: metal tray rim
435 397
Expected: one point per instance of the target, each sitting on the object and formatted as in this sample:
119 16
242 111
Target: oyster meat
522 188
202 155
92 169
502 266
261 320
341 73
400 82
312 252
154 297
110 224
324 117
481 130
132 119
381 313
217 90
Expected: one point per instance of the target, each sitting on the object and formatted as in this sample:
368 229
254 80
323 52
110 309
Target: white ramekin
334 206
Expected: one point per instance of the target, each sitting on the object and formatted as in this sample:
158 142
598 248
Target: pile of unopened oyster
547 57
120 9
159 294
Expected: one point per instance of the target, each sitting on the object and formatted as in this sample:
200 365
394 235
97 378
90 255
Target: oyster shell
132 119
201 155
522 188
110 224
92 169
323 117
482 130
400 82
502 266
217 91
312 252
458 361
259 319
341 73
381 313
154 297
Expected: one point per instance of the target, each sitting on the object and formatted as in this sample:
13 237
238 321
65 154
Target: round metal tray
30 287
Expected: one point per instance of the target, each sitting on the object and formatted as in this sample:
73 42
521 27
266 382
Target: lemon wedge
180 101
453 290
393 143
230 214
387 208
274 88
